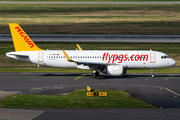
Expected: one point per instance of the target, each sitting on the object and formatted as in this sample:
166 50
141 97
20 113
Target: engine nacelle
114 70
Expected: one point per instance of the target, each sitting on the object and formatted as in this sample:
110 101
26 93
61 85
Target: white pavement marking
4 94
148 77
172 91
65 93
165 89
18 114
34 89
59 87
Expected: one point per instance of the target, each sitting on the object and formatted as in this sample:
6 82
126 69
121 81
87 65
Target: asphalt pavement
98 38
162 91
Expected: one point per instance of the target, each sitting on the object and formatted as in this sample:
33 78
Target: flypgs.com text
124 57
26 38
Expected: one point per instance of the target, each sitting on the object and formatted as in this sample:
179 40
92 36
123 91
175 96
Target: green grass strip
165 70
76 99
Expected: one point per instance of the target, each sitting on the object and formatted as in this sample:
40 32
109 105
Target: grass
21 69
92 19
76 99
171 49
58 70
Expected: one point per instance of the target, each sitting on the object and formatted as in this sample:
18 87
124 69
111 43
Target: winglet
79 48
67 57
22 42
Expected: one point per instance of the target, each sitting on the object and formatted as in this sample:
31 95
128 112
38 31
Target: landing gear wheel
152 75
97 73
93 75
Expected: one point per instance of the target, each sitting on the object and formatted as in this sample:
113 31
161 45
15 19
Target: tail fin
22 42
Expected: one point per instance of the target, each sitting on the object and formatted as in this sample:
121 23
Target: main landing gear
152 73
94 74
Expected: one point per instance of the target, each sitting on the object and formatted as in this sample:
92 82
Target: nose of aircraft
173 63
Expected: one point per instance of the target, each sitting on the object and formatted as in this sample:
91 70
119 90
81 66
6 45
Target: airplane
110 62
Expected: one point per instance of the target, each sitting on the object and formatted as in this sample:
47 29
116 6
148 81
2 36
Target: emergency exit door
40 57
152 58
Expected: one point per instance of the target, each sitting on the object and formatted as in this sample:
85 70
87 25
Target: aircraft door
152 58
40 57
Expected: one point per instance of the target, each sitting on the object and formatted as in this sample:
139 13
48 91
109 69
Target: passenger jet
110 62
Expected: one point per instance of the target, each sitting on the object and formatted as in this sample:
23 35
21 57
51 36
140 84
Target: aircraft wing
91 63
87 62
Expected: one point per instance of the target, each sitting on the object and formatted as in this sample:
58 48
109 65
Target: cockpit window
164 57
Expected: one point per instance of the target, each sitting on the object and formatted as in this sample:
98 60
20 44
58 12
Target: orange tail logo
22 42
26 38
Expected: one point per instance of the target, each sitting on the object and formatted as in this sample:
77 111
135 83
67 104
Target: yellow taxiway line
80 77
168 77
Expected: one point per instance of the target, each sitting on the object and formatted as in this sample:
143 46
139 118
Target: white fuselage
129 59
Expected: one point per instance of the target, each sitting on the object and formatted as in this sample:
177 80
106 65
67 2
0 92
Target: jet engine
114 70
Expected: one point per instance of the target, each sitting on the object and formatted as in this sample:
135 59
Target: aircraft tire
93 75
97 73
152 75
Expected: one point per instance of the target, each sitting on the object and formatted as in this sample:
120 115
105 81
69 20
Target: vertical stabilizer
22 42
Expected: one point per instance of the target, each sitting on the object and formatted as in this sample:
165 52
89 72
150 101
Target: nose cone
173 63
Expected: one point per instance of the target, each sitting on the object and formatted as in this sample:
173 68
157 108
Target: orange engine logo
26 38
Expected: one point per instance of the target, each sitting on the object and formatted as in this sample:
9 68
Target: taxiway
98 38
162 91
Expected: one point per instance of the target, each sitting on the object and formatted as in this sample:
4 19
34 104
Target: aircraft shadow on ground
110 77
136 76
65 74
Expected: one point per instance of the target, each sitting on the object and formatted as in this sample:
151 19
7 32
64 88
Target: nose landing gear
152 73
